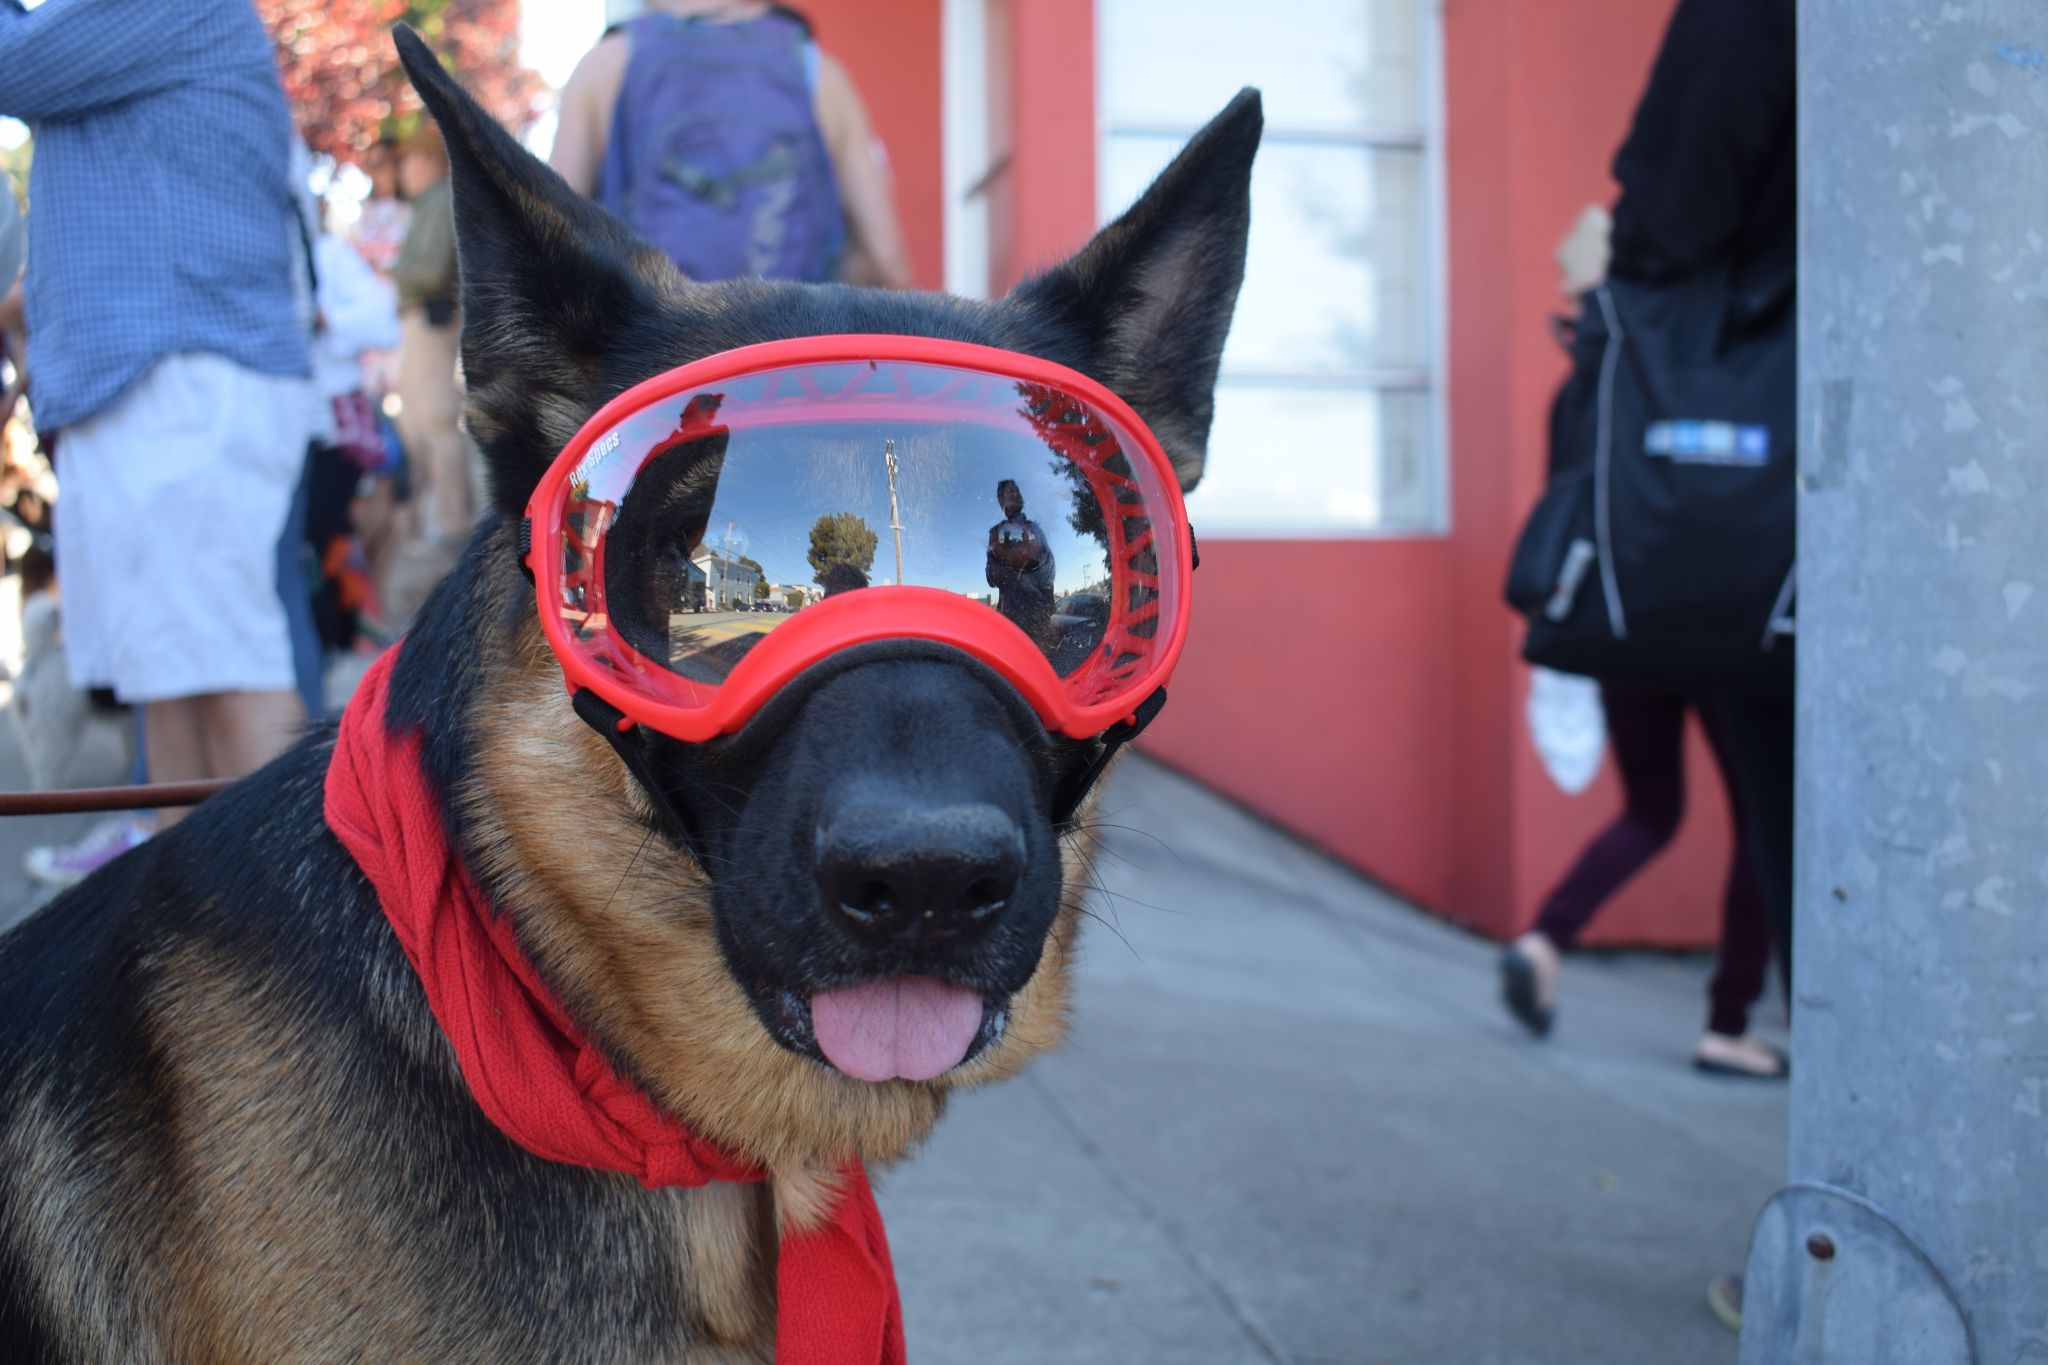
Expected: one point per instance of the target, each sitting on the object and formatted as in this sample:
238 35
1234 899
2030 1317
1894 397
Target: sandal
1776 1066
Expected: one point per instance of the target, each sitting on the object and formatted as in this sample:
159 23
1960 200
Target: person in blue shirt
168 349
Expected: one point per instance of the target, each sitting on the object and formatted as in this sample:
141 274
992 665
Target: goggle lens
699 524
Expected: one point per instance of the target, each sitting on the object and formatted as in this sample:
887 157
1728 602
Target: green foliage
341 72
841 538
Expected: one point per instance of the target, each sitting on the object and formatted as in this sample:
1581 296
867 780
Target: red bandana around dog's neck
536 1076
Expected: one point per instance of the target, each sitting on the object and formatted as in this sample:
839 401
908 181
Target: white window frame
964 48
1434 379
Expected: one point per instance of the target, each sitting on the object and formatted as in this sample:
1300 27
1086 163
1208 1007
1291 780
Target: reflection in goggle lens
737 521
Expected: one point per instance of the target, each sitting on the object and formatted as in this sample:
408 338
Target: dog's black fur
229 1127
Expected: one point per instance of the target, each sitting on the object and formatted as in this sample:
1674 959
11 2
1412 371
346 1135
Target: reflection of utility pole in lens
725 571
895 522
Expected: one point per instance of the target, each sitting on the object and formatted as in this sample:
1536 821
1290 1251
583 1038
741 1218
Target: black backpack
1662 551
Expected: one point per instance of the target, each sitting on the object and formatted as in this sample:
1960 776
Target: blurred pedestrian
721 132
1707 180
1707 219
378 233
168 352
441 507
358 315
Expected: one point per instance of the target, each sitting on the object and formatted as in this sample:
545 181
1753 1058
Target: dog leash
144 796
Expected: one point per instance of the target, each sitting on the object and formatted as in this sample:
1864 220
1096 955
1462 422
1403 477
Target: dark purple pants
1647 731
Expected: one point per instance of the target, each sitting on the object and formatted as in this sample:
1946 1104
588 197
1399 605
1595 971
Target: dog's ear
1150 297
557 296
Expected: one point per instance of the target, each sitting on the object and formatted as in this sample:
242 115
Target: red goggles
715 531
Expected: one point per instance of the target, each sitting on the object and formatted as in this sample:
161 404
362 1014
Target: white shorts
170 508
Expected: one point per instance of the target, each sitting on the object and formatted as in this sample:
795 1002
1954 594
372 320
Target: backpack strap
1069 798
799 18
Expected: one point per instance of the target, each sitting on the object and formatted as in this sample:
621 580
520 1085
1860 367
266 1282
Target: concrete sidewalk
100 762
1293 1124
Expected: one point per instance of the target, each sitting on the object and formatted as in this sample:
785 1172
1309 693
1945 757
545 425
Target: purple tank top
715 154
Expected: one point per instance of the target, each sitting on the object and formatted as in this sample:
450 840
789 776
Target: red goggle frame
1147 545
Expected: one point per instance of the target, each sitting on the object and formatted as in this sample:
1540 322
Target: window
1326 410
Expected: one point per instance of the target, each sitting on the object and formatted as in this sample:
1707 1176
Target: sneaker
69 864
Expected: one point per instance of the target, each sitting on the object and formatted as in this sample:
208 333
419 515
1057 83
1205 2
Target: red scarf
536 1076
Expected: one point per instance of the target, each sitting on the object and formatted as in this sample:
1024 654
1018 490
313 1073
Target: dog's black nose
914 872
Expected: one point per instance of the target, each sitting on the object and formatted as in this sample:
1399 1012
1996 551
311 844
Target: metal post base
1833 1281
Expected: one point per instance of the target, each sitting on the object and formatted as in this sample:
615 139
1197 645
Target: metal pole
725 569
1916 1226
895 522
146 796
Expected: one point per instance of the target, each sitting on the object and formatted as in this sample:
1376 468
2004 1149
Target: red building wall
1339 724
1388 727
891 48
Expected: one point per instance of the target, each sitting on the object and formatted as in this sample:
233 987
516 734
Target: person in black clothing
1020 565
1708 181
1707 177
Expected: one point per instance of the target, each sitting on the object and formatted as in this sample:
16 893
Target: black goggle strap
1076 790
630 742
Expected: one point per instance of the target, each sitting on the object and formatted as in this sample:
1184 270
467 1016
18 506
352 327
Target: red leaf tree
342 75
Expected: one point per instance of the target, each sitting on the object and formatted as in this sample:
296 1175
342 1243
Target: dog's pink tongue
909 1026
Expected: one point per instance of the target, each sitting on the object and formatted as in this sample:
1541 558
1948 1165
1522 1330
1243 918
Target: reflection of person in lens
841 577
1020 565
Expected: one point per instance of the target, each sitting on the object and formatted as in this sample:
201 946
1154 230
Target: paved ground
100 761
1293 1125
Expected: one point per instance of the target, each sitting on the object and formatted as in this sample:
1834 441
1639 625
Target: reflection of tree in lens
1086 517
842 542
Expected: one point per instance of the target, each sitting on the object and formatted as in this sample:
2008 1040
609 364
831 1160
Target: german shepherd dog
230 1128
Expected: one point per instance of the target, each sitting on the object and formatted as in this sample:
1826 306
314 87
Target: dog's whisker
628 870
1104 851
1122 938
1097 884
1094 874
1077 826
